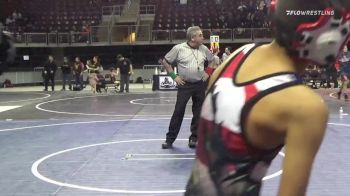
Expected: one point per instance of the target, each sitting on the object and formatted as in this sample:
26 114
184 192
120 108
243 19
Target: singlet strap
266 87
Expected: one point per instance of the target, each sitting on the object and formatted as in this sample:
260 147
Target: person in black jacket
125 69
66 74
49 72
332 76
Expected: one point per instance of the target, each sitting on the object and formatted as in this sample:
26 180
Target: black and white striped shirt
190 61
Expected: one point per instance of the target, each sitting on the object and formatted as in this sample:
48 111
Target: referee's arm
168 67
178 79
211 64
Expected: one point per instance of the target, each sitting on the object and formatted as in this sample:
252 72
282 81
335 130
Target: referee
191 79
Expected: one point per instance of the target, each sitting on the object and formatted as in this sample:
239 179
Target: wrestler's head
313 30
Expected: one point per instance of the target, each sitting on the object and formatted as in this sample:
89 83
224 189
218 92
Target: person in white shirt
226 54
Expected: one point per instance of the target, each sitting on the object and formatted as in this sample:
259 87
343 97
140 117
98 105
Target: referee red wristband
209 70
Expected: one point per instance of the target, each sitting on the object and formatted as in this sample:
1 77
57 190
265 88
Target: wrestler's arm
306 126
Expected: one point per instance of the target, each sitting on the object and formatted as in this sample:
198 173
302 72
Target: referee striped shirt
190 61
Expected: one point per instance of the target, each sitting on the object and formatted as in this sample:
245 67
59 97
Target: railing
108 10
128 34
147 9
129 4
243 34
99 34
110 24
39 38
121 33
67 38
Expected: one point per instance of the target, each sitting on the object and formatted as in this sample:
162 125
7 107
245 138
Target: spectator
85 32
19 15
94 69
112 75
125 69
73 34
216 61
49 72
332 76
78 69
9 21
226 54
344 61
66 74
14 15
262 5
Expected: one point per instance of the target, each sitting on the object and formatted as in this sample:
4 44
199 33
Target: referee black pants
185 92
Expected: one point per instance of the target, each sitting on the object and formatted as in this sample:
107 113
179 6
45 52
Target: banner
166 83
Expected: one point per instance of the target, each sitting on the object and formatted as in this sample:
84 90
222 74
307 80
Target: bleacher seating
60 16
72 15
208 14
112 2
148 2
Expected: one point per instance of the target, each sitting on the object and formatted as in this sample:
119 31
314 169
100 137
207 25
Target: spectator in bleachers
66 74
73 34
14 15
218 2
242 7
222 20
125 69
251 7
78 69
262 5
266 24
85 32
49 72
9 21
19 16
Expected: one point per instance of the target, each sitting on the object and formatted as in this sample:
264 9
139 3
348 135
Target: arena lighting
26 57
132 37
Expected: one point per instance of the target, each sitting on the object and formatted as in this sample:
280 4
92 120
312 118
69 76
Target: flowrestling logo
310 12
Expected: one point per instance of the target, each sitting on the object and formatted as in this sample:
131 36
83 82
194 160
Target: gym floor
80 144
